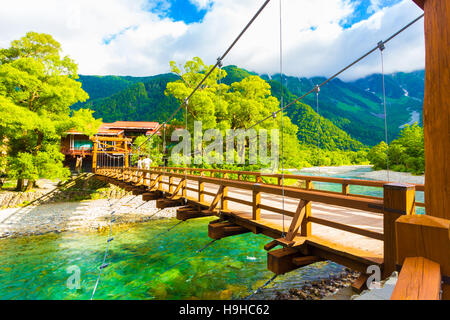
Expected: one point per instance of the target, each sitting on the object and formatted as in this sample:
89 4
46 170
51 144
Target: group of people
144 163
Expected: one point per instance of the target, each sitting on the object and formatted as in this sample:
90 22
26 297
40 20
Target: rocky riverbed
89 215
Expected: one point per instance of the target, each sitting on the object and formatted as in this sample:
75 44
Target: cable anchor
219 62
381 46
317 88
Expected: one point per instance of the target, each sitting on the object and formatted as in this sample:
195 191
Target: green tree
235 106
37 87
407 153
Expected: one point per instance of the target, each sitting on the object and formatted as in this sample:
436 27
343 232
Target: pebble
319 289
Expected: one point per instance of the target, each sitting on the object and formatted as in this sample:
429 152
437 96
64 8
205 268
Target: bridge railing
292 180
398 199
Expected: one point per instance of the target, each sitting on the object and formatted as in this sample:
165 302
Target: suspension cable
282 117
262 287
317 90
339 72
273 114
381 47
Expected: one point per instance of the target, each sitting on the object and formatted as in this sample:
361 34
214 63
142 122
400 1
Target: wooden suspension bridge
309 225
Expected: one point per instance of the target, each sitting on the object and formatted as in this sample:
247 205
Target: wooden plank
419 279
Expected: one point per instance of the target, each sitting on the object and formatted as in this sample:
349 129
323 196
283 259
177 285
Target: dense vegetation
37 88
405 154
350 112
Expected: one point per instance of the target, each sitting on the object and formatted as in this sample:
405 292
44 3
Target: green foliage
407 153
37 88
129 99
144 146
237 106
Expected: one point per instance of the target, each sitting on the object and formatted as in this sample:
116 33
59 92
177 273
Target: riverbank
89 215
365 172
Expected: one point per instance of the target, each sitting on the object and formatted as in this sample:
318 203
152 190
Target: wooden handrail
371 204
308 179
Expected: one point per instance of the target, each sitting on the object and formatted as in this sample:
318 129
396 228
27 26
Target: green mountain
357 107
351 112
127 98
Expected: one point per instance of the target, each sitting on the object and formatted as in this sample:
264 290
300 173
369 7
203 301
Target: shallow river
141 260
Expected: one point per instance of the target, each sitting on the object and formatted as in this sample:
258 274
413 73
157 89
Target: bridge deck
345 228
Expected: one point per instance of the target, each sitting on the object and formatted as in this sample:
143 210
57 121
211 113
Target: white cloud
142 43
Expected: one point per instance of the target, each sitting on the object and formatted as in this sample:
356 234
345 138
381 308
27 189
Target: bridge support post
399 199
256 212
427 237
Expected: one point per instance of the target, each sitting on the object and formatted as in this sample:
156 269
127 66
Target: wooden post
345 189
305 230
184 191
170 184
256 214
309 185
399 199
224 202
127 164
201 189
94 157
436 107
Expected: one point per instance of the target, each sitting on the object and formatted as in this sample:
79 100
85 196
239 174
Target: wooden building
78 144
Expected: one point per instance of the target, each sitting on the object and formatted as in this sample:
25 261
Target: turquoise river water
140 260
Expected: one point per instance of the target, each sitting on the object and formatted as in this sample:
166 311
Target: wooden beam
305 260
420 3
281 261
216 200
297 220
178 188
424 236
419 279
360 284
225 229
436 107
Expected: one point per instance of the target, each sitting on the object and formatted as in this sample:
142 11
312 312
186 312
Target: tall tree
37 87
236 106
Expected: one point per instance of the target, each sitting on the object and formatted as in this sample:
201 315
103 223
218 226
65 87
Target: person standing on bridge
139 163
147 162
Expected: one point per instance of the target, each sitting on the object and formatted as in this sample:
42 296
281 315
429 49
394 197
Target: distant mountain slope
357 107
351 111
131 99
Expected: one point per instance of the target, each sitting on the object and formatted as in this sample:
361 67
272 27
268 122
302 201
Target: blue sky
179 10
189 12
141 37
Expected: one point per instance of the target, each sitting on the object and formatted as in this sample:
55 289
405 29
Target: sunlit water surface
141 260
